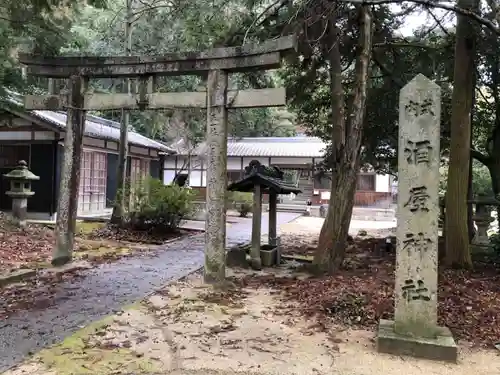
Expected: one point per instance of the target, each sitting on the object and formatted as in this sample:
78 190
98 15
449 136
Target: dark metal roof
95 127
310 147
98 127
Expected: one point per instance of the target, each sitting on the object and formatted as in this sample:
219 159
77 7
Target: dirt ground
250 327
308 225
189 328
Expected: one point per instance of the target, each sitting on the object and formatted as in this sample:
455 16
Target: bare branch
278 4
439 22
434 4
137 14
386 70
404 45
495 9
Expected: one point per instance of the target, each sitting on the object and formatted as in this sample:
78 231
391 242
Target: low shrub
159 207
241 202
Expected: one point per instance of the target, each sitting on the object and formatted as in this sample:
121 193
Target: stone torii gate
215 64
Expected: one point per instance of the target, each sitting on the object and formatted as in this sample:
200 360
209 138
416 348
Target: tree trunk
494 169
457 239
493 161
121 175
470 193
346 146
470 210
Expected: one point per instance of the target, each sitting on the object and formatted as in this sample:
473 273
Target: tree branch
479 156
278 4
433 4
439 22
404 45
386 70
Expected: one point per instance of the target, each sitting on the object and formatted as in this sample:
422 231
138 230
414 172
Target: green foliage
159 207
39 27
166 28
241 202
481 180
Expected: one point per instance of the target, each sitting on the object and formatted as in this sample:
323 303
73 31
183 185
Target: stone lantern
482 218
20 190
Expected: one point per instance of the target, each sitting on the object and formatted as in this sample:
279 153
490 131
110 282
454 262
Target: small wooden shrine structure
261 179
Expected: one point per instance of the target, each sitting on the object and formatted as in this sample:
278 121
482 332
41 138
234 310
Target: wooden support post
255 261
51 87
121 172
215 227
70 173
273 203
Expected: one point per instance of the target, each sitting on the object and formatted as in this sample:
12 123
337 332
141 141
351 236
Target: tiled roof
101 128
268 183
310 147
95 126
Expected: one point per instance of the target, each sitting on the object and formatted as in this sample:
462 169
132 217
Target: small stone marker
414 330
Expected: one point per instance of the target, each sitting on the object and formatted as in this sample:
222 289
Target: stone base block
442 348
268 255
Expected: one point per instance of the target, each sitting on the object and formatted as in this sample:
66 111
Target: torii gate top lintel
232 59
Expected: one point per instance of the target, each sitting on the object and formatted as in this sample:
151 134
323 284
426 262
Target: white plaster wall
234 164
293 161
112 145
195 179
168 177
196 163
139 150
169 162
382 184
181 160
247 160
42 136
15 136
94 142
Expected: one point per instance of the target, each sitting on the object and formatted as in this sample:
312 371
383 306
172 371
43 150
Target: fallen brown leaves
363 292
38 292
116 233
32 245
22 246
299 244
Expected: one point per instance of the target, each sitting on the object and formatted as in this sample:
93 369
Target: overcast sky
417 20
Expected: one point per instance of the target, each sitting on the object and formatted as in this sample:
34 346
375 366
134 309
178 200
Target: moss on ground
87 227
88 252
75 355
298 257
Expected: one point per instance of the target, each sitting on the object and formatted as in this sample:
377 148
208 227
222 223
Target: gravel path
106 289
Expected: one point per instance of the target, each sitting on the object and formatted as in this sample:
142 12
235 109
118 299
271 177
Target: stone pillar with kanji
415 329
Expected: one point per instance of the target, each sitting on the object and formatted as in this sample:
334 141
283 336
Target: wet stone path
106 289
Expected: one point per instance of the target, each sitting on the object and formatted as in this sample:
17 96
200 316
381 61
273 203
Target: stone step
292 208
